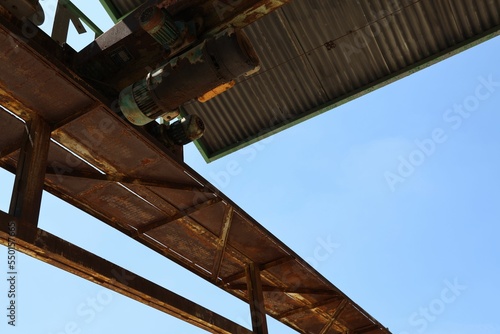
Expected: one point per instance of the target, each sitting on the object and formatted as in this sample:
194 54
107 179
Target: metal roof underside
319 54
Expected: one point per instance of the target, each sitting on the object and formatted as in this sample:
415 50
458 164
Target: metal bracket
66 11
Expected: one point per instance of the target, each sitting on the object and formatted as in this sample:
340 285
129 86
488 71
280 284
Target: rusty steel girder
165 205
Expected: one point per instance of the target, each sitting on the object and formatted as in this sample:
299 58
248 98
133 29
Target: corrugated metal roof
318 54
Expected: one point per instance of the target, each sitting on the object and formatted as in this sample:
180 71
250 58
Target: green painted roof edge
429 61
111 9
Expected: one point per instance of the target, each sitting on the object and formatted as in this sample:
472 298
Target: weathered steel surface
222 242
194 224
62 254
30 172
26 10
32 75
12 133
256 299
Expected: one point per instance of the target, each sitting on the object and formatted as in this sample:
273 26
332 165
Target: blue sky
393 197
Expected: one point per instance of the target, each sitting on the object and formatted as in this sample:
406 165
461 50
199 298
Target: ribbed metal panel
317 53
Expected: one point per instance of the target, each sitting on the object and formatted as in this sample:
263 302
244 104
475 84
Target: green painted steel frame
85 19
111 9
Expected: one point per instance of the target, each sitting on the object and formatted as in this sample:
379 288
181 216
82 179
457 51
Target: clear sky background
403 183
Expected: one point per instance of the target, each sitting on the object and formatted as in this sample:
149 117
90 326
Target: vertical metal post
256 299
31 165
62 19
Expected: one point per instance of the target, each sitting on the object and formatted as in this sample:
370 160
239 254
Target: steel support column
28 186
256 299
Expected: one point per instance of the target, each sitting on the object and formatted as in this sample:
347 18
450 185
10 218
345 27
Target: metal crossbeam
126 180
270 288
30 174
262 267
335 316
179 215
308 307
62 254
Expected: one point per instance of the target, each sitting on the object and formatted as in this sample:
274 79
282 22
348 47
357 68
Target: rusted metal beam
181 214
130 232
30 174
335 316
262 267
64 255
125 179
123 166
269 288
221 246
46 55
8 150
12 132
276 262
12 104
25 10
308 307
76 115
256 299
127 230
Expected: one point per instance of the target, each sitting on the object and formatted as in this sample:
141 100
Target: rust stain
12 104
146 161
216 91
85 152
